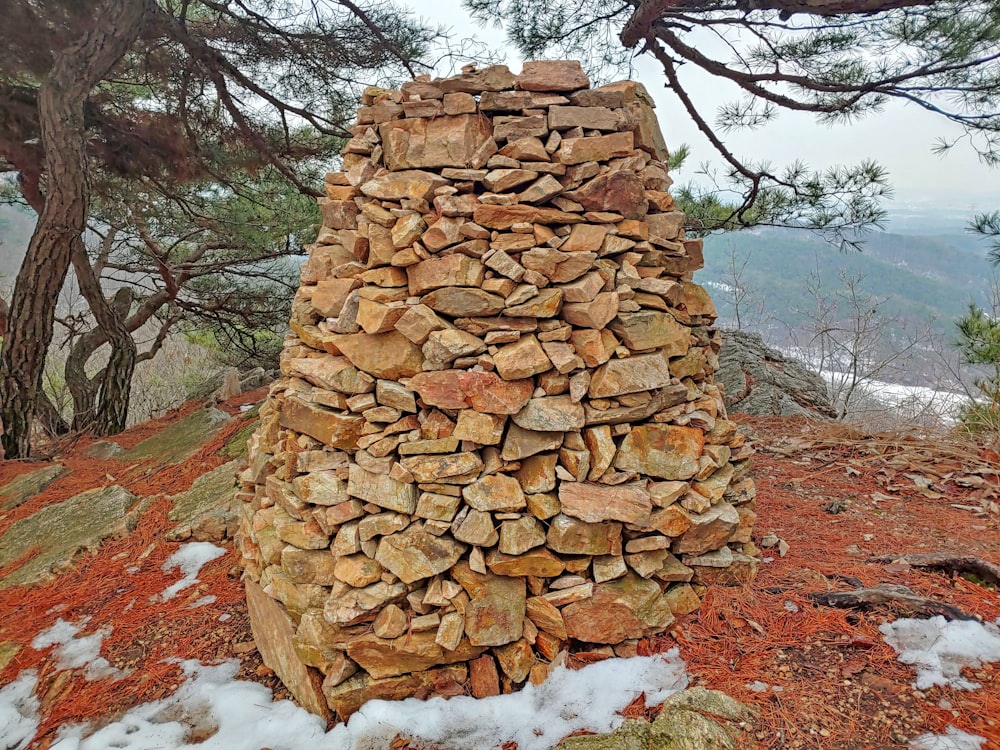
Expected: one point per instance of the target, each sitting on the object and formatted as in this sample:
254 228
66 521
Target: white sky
900 138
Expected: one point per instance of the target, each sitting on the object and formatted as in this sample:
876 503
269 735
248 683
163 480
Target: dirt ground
819 677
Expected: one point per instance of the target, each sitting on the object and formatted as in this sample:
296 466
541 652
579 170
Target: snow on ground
189 558
952 739
238 715
18 711
74 651
938 649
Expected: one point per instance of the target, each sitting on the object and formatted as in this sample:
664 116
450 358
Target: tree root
886 593
985 572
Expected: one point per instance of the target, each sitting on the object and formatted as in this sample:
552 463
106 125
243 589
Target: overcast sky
900 138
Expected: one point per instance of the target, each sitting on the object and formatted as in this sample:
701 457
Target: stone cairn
497 437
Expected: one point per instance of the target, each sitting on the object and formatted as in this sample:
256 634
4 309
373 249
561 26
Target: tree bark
101 404
75 71
648 11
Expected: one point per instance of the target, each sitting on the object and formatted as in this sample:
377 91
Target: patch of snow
190 559
939 649
73 651
236 715
203 601
19 711
952 739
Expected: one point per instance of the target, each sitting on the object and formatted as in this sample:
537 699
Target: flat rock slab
28 485
204 511
178 441
61 531
692 719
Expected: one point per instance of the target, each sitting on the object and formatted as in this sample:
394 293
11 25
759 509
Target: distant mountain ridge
930 276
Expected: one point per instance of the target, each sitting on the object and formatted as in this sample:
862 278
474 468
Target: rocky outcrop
497 435
762 382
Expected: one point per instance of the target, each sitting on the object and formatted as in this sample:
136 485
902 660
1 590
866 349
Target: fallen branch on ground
886 593
984 571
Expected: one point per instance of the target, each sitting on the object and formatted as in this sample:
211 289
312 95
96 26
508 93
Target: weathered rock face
497 436
763 382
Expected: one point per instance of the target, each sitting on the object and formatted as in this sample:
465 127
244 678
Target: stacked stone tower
497 436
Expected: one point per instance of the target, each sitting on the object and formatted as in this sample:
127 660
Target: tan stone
523 149
592 118
390 623
442 468
495 614
543 189
516 660
594 314
482 391
418 143
407 230
709 530
411 652
273 631
682 599
437 507
392 394
414 554
336 429
644 372
497 492
330 295
504 217
464 301
375 317
538 473
417 323
545 304
484 681
570 536
349 696
357 570
585 237
512 128
609 567
504 180
444 347
664 451
382 490
522 359
521 443
621 192
672 569
321 488
381 524
536 562
671 521
543 505
649 329
308 566
551 414
330 372
517 537
599 148
629 607
665 494
450 270
552 75
384 355
485 429
491 78
450 631
475 528
395 186
665 227
546 616
593 503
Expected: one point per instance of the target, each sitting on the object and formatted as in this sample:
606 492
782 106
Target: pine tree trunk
75 71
